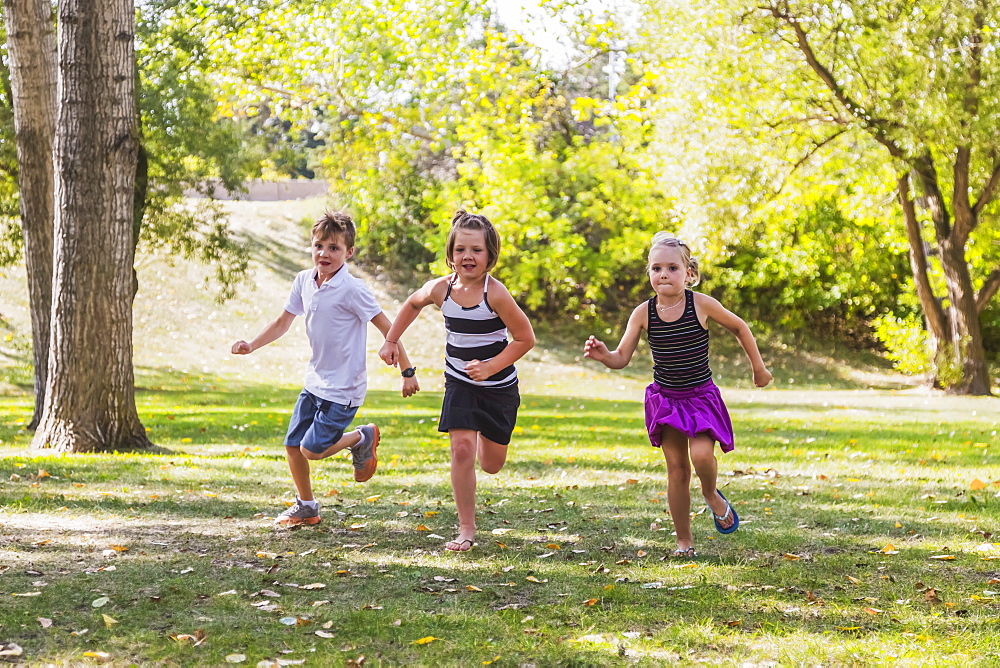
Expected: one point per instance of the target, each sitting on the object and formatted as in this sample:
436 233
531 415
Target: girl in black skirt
481 396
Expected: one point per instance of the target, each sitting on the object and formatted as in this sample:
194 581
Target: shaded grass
825 483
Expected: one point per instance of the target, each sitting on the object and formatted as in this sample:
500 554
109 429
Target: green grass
181 543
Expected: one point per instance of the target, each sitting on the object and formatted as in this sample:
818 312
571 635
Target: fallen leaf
977 484
873 611
314 585
29 593
591 602
196 638
236 658
553 546
45 622
641 553
944 557
10 649
324 634
889 549
421 527
792 557
100 656
100 602
472 588
853 579
425 640
109 621
374 497
532 578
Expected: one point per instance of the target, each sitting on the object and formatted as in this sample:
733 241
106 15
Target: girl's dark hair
333 224
473 221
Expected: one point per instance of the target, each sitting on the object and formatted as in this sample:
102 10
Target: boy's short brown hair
333 224
473 221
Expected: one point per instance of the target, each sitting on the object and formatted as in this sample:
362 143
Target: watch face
409 373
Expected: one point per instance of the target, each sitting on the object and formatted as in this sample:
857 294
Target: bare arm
272 332
432 292
522 336
622 355
713 310
410 385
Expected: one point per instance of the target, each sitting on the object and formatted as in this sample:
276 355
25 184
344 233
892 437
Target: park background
866 473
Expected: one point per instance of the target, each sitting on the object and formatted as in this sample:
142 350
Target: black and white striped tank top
680 348
474 333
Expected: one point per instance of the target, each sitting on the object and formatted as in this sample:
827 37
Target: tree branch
989 289
989 190
924 167
812 151
936 319
873 125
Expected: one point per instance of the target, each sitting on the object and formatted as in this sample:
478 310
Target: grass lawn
866 538
867 534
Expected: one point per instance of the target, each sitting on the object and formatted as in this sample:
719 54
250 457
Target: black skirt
489 410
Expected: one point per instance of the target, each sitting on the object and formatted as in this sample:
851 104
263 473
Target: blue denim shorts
316 423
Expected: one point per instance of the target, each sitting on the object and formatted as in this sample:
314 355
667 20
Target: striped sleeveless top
680 348
474 333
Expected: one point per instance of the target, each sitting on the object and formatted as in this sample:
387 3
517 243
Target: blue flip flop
715 518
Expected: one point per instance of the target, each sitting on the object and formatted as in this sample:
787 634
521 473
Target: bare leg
492 455
463 485
707 469
675 452
348 440
299 466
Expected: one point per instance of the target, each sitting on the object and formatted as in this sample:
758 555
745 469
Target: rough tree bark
31 44
90 403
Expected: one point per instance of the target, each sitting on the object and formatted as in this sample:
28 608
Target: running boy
337 307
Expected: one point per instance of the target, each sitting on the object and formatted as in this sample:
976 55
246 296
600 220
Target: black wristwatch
408 373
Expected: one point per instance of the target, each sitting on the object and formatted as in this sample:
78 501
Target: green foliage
905 343
429 107
188 144
10 229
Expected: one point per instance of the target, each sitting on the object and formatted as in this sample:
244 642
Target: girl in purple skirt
685 413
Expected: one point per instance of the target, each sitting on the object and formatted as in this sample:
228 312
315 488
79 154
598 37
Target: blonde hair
473 221
667 240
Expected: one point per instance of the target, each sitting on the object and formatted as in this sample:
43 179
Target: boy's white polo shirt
337 315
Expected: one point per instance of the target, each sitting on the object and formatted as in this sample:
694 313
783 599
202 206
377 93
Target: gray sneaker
298 514
364 456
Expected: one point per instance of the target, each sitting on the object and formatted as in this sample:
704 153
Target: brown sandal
460 545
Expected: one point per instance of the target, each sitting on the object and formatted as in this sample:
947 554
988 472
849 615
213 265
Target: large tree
184 146
922 81
89 402
31 44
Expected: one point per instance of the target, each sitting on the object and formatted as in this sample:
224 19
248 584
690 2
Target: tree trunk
966 331
31 43
90 402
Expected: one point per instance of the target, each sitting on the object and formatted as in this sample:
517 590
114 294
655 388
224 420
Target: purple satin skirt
691 411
